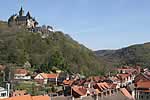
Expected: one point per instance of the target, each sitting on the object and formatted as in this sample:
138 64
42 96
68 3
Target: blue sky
98 24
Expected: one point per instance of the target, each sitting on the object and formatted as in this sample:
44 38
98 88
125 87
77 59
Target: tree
56 60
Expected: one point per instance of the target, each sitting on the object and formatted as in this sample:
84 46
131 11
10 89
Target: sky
98 24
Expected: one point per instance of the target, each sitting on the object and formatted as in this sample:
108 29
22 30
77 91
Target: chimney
139 69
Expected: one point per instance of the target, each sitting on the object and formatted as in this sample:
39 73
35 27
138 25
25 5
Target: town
24 83
129 83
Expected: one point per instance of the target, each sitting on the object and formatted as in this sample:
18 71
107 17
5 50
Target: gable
39 76
141 77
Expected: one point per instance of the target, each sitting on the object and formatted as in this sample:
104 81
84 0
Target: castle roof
21 12
22 18
28 15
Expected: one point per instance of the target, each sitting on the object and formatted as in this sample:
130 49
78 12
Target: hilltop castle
27 21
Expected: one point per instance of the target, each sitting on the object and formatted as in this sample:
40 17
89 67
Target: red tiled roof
79 90
143 84
68 82
28 97
112 85
141 77
102 86
25 97
115 78
21 71
44 75
126 93
40 98
146 90
123 76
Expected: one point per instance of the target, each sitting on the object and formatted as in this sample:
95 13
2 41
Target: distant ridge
138 54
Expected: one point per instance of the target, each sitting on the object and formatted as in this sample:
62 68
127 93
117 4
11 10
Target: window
3 94
146 93
147 97
141 97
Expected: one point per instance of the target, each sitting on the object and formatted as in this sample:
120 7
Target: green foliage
57 50
132 55
56 60
53 89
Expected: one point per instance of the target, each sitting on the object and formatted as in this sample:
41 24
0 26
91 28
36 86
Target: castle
27 21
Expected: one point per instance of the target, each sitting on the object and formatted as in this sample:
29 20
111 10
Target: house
21 74
113 86
103 86
79 82
89 84
141 77
4 93
125 79
48 78
79 91
131 89
115 79
128 69
68 82
142 90
96 78
126 93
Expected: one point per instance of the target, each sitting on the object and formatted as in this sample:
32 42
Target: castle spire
28 15
21 12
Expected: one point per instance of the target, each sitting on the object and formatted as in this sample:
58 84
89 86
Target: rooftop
21 71
45 75
28 97
126 93
143 84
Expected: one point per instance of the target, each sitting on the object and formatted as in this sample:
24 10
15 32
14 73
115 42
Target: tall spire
21 12
28 15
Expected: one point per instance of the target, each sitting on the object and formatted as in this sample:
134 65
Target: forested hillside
58 50
133 55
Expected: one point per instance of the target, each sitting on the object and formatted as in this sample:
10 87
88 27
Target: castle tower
29 15
21 12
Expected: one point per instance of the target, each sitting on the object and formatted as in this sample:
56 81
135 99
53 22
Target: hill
133 55
58 50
